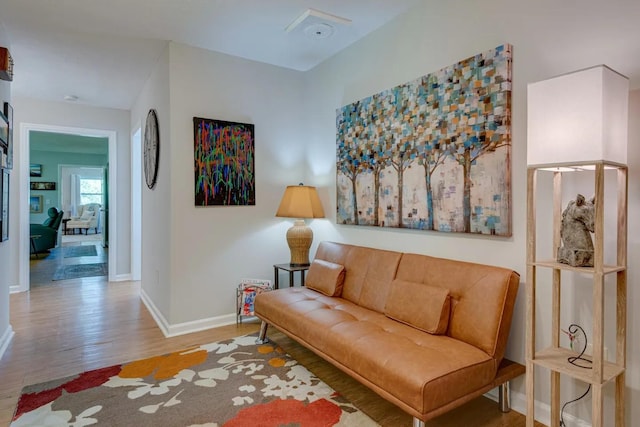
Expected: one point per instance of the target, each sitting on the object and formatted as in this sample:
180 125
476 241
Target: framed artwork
35 204
433 153
4 141
43 185
4 129
224 164
35 170
8 112
4 206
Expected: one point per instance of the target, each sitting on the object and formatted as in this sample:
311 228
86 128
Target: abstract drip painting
224 163
433 153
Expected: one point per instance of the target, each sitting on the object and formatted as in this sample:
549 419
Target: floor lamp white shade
580 117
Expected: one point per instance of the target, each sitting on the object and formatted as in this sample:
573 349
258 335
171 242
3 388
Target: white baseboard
170 330
155 313
14 289
201 325
121 278
5 340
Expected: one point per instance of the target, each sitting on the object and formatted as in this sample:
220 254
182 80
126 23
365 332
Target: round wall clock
151 148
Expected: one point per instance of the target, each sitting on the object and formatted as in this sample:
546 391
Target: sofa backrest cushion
368 272
421 306
325 277
482 297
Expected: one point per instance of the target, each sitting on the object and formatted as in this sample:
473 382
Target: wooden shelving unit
554 358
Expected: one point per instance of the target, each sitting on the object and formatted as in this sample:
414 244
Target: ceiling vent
316 24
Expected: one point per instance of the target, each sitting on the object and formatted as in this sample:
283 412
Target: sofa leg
504 397
262 338
417 422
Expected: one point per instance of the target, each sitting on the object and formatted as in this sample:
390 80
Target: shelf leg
555 398
504 397
596 415
531 414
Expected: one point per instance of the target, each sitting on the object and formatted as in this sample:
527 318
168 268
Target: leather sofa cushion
423 370
325 277
422 306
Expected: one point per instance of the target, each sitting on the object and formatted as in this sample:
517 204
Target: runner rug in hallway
234 383
79 250
77 271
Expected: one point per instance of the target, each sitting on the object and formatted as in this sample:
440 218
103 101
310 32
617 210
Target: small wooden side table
291 269
64 225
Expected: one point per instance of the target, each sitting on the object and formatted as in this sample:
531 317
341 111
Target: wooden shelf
607 269
555 359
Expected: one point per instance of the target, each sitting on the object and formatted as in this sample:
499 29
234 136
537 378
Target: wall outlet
605 352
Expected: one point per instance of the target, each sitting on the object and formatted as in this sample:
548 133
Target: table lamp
300 201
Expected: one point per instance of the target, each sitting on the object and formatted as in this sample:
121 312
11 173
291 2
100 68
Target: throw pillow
87 214
325 277
422 306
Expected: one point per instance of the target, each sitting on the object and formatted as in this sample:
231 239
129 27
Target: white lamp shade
580 117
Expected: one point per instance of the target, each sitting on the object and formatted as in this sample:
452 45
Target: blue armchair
45 236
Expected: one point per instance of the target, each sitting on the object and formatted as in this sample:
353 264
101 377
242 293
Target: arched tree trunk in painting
376 196
466 192
427 181
400 193
354 179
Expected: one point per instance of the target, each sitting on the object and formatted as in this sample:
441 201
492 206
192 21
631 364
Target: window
90 191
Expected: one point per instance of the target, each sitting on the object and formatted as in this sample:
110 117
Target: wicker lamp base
299 238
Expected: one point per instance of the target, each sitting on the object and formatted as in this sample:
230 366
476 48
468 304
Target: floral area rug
233 383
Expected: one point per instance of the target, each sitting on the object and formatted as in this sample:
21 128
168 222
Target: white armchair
87 218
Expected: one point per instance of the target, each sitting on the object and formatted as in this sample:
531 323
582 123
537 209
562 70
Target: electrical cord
578 361
562 424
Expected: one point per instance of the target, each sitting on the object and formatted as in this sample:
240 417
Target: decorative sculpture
577 225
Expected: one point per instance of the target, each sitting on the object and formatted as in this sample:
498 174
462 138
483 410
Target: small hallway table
291 269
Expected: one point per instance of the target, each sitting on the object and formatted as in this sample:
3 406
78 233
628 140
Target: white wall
633 255
8 248
193 257
31 111
156 203
214 247
548 38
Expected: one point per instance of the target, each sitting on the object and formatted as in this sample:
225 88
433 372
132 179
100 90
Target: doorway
26 130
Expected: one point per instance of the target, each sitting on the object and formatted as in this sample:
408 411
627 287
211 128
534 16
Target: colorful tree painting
224 163
456 124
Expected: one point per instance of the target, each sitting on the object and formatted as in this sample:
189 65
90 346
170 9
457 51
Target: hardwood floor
72 326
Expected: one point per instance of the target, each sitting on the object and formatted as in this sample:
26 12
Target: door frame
23 194
136 203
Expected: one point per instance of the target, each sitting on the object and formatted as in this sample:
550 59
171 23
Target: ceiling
102 52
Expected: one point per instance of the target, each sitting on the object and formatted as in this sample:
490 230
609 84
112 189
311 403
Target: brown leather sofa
427 334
